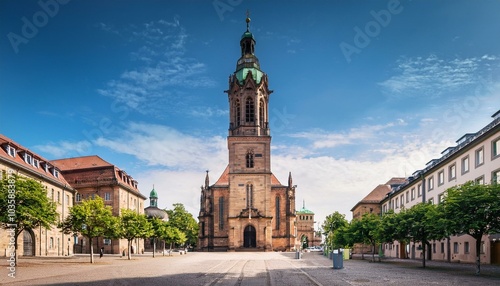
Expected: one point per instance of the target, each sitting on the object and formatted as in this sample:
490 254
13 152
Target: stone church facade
248 208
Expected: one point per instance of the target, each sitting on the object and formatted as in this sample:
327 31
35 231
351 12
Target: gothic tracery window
249 196
249 110
261 113
249 159
238 112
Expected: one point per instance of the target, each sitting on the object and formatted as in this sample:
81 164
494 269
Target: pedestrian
101 252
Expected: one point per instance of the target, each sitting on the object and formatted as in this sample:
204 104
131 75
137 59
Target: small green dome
153 194
247 34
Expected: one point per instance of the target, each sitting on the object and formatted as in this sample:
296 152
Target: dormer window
11 151
28 158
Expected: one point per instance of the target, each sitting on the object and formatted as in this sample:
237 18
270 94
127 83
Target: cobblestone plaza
241 268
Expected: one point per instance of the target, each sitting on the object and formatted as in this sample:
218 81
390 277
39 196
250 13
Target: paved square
238 268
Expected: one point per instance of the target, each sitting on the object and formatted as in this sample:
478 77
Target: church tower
247 208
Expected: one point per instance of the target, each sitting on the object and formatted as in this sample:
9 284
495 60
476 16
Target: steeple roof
153 193
303 210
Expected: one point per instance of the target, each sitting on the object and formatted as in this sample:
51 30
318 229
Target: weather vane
248 20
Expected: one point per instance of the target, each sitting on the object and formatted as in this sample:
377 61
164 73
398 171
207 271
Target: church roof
83 162
224 179
376 195
153 193
241 74
303 210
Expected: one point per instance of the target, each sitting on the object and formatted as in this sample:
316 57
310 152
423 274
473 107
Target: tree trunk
154 247
373 252
170 252
478 255
423 254
163 247
16 256
91 249
129 244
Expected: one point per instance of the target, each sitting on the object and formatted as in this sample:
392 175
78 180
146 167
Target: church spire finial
303 204
248 20
207 180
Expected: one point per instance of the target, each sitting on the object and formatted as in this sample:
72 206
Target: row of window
52 196
249 111
452 175
306 217
31 160
456 247
80 197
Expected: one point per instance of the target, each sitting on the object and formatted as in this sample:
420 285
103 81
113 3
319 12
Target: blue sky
363 90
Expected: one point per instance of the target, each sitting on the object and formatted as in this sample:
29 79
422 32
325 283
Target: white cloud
159 145
155 85
354 136
326 183
433 76
64 148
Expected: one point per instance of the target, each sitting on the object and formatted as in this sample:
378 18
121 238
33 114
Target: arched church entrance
250 236
28 243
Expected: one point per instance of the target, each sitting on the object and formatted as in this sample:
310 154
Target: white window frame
11 151
465 164
479 157
440 177
452 172
495 148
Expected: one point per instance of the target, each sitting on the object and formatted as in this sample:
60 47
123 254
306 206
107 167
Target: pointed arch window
261 113
249 196
237 108
249 159
221 213
249 110
277 212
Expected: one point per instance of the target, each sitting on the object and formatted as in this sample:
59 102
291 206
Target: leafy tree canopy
184 222
24 205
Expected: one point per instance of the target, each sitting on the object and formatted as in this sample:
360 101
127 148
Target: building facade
16 159
247 207
372 204
476 157
305 228
92 176
152 244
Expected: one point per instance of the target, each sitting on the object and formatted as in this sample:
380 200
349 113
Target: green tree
134 225
24 205
334 222
390 229
90 218
184 222
473 209
421 223
160 229
173 235
366 230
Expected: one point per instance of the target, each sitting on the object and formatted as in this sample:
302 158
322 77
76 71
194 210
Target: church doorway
249 237
28 243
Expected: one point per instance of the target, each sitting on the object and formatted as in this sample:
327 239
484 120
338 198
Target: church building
248 208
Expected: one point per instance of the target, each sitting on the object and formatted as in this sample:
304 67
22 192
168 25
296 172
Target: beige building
248 208
92 176
305 228
16 159
476 157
